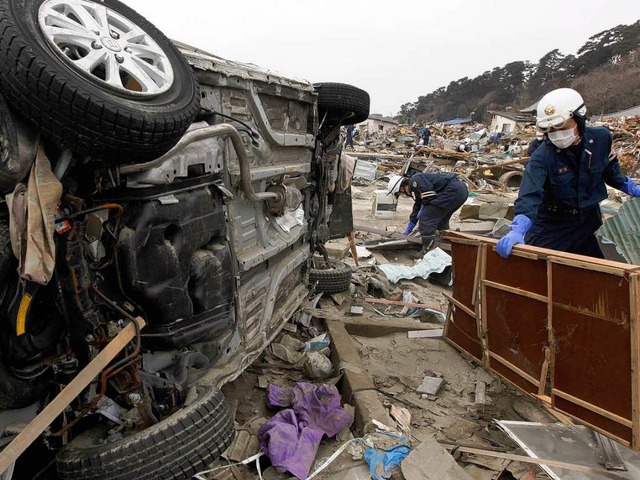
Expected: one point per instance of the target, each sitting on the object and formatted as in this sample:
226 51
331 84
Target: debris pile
626 142
486 162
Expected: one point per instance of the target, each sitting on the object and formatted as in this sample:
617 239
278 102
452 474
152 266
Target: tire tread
175 448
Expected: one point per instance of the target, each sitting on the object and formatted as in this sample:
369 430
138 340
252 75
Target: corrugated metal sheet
624 231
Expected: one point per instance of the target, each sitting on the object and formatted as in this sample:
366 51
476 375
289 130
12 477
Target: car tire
341 99
111 116
175 448
331 277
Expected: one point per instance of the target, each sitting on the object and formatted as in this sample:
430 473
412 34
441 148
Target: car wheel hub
105 46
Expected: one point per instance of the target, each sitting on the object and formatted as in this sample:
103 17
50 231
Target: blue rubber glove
630 188
409 229
521 224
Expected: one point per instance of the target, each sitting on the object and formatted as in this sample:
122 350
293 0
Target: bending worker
437 196
564 181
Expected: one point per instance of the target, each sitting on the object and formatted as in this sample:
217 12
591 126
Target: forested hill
606 71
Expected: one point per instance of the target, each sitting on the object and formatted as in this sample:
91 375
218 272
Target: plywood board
517 333
522 273
464 273
462 328
554 323
463 333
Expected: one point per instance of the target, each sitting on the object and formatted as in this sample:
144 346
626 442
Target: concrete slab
337 248
430 386
381 326
431 461
357 386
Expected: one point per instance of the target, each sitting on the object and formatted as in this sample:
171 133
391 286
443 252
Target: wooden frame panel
558 326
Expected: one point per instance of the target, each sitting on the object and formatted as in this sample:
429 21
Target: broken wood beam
384 301
499 165
384 233
536 461
33 430
379 155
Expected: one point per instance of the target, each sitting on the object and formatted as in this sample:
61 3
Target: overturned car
153 187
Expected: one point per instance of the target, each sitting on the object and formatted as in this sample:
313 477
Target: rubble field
441 404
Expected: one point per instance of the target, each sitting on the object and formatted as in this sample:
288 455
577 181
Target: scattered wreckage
189 193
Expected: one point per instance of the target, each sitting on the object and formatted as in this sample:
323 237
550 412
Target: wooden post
32 431
550 351
354 250
634 328
482 319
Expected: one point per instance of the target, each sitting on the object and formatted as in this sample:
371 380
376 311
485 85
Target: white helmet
395 181
557 107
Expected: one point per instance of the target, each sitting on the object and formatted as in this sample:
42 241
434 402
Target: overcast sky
396 50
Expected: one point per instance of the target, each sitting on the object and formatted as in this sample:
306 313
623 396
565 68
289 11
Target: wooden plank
448 236
476 276
550 350
594 408
379 231
481 311
447 321
514 369
538 461
545 372
516 291
596 267
434 333
32 431
634 318
467 310
384 301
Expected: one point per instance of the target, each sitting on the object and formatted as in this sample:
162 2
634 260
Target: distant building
376 123
531 109
509 122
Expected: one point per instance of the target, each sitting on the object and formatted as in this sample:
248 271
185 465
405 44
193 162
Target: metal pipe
210 132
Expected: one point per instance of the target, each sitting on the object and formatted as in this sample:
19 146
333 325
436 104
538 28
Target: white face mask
563 138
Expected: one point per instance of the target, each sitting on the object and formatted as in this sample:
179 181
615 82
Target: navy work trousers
567 233
437 214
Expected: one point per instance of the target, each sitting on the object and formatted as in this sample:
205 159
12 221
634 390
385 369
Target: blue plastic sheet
382 462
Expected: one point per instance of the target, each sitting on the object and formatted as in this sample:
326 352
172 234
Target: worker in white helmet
565 180
436 197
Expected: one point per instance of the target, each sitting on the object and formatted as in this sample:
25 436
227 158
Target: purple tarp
291 438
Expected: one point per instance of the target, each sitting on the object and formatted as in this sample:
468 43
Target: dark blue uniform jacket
569 181
425 188
561 191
